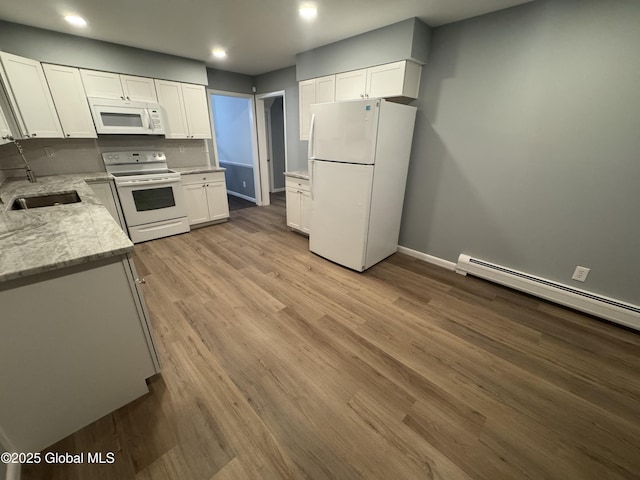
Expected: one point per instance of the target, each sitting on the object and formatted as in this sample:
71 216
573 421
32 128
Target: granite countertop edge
297 174
52 238
198 169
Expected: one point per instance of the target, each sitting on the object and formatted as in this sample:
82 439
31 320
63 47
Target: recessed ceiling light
219 53
308 12
76 21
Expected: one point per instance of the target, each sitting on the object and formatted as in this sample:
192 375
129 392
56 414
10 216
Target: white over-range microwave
124 117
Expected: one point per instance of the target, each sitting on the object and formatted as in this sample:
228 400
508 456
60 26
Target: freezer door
344 131
340 204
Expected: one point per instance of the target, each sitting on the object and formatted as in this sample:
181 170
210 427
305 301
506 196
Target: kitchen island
75 343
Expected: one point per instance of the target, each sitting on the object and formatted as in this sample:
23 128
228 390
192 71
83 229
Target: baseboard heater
607 308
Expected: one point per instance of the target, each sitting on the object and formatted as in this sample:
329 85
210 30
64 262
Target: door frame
257 163
263 150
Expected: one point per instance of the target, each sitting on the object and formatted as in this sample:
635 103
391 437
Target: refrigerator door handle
311 132
312 165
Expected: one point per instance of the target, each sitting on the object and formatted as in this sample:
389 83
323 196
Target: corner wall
526 144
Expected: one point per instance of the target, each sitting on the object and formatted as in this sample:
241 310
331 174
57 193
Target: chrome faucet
30 175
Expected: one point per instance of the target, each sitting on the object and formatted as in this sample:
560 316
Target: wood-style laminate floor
277 364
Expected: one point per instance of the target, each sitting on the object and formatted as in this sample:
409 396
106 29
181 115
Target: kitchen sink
48 200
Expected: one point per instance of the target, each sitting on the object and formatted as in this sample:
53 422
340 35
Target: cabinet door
30 97
139 89
351 85
103 191
70 100
171 101
195 196
5 131
306 96
305 210
102 84
294 208
217 200
196 110
386 80
326 89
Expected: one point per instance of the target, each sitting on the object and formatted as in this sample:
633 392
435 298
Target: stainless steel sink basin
48 200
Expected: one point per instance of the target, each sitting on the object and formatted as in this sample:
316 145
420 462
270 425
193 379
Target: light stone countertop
49 238
303 174
198 169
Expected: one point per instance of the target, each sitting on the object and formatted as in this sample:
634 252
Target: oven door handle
144 183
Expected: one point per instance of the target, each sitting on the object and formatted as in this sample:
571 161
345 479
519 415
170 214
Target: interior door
345 131
340 204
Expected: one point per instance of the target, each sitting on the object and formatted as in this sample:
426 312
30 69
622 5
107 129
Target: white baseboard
239 195
278 190
441 262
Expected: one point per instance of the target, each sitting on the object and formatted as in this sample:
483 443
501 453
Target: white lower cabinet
80 345
298 199
206 197
108 196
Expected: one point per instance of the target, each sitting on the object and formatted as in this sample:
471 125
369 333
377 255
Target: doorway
272 141
235 143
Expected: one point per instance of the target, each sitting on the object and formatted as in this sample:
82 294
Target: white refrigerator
358 161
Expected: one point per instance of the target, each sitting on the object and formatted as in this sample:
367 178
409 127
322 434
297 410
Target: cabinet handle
141 281
68 134
122 97
33 134
128 97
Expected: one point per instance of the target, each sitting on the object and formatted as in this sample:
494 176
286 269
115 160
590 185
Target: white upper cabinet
306 97
70 100
326 89
115 86
397 79
315 90
197 110
30 97
5 130
139 89
172 104
102 84
351 85
185 109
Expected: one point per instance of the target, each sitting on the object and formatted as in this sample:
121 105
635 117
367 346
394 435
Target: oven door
151 200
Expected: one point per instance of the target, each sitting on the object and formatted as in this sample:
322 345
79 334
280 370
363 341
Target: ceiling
258 35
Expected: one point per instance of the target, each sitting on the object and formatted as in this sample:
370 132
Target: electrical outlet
244 184
181 148
581 274
48 151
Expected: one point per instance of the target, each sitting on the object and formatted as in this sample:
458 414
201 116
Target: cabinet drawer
297 184
202 177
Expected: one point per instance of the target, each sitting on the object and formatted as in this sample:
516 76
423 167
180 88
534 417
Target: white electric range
150 194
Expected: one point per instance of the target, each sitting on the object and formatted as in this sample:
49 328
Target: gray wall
285 79
400 41
229 81
276 113
64 49
235 175
526 144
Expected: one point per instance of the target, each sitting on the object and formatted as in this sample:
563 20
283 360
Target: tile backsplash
84 155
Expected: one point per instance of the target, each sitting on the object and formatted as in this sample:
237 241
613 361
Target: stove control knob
108 157
116 156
